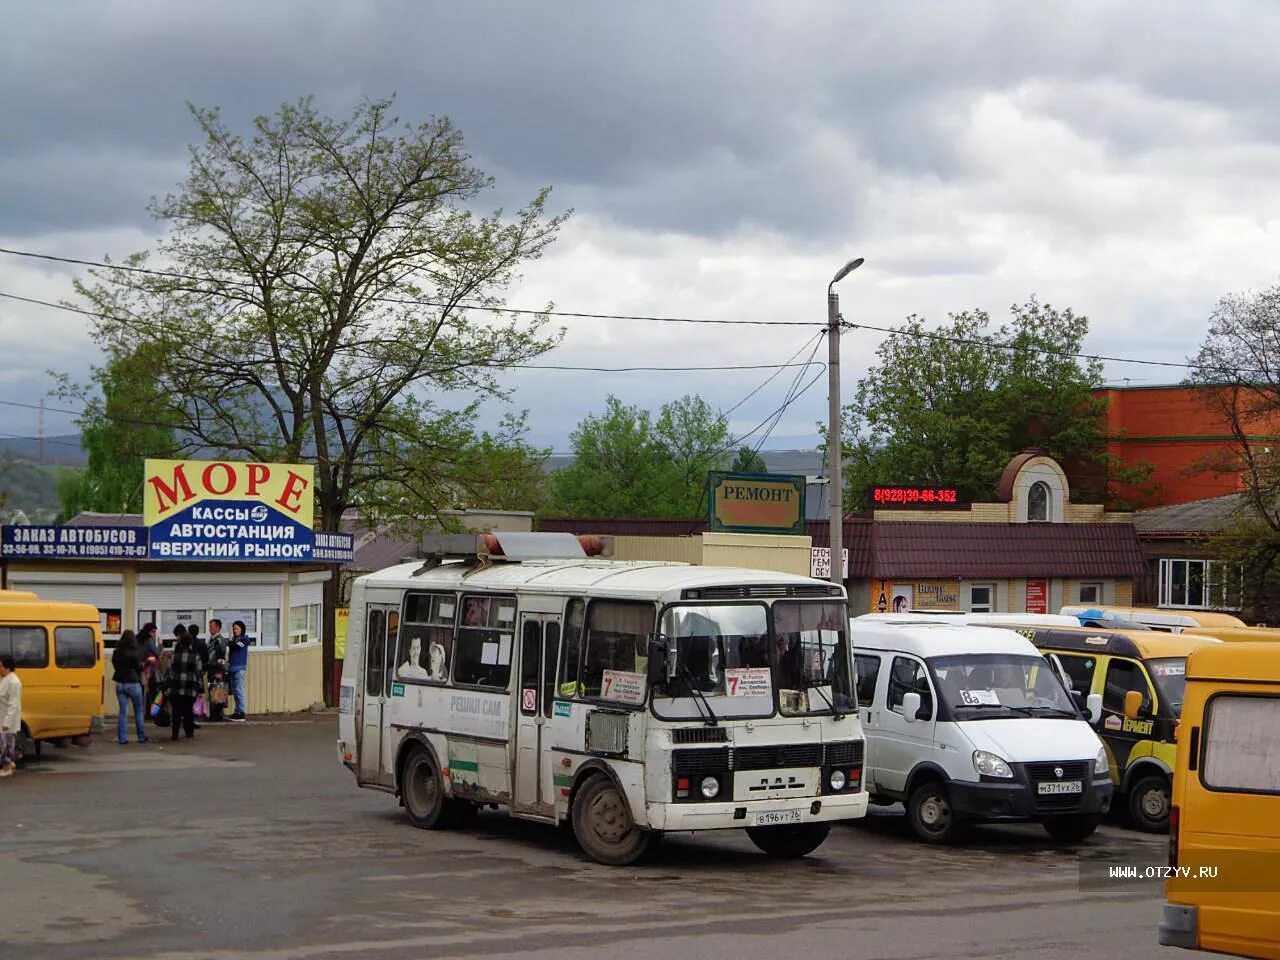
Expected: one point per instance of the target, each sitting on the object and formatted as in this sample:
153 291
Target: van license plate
774 818
1060 786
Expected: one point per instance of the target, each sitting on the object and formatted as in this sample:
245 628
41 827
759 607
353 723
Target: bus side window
868 670
375 652
571 649
1080 671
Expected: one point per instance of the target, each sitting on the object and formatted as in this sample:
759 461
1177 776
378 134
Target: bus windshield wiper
699 697
835 713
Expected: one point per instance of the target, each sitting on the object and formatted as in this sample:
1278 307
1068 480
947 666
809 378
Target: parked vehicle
1152 618
1224 841
1110 664
968 724
57 649
626 699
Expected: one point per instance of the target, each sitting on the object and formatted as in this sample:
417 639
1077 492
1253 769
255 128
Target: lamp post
835 444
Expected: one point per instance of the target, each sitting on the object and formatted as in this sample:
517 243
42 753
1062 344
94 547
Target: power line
488 365
406 301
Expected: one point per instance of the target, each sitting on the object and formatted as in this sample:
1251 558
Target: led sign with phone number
916 497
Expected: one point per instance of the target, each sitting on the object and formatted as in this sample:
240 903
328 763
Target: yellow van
58 653
1241 634
1152 618
1223 888
1111 663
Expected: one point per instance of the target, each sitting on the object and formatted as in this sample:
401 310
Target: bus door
381 620
539 641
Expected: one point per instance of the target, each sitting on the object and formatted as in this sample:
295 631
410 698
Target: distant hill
63 449
808 463
29 487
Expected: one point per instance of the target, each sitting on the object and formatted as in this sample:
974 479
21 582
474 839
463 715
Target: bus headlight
1101 765
989 765
837 780
710 787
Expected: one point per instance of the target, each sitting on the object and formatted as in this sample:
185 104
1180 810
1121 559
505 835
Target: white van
968 724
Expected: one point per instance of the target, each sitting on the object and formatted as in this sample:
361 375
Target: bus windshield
725 665
990 686
721 655
1170 675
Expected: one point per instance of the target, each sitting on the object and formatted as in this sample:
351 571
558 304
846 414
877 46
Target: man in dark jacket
216 671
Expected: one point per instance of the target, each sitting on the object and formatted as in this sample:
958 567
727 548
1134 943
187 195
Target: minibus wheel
1072 828
603 825
422 790
791 841
930 813
1149 803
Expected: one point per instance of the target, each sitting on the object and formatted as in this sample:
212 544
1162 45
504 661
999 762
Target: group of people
177 674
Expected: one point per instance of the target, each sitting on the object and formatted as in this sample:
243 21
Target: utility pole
835 443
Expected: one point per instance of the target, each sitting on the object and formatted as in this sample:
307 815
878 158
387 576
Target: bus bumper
754 813
1179 926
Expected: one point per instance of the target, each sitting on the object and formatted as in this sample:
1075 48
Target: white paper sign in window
748 682
979 698
623 686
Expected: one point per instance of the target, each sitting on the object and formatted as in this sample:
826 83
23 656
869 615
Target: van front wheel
1149 803
930 813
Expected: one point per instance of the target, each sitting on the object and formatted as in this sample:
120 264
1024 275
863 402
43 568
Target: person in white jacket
10 716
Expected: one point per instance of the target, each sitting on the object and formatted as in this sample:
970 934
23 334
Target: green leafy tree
953 405
748 461
316 297
118 431
1237 365
626 464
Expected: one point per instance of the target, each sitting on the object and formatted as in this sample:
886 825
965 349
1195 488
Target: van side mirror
910 706
1132 704
1093 707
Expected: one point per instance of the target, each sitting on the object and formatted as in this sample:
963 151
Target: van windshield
1170 675
983 686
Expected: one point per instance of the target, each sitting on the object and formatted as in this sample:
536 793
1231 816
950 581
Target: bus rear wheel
789 842
603 826
422 791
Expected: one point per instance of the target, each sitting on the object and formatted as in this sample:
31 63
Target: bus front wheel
789 842
603 825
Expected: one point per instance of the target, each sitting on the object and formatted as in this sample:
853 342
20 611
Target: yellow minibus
1223 886
58 654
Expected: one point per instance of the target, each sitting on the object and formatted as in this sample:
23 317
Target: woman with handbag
126 667
186 683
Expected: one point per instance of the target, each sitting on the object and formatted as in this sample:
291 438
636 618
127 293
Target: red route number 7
608 682
733 685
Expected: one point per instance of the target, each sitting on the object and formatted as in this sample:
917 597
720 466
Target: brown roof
1198 517
915 549
1004 489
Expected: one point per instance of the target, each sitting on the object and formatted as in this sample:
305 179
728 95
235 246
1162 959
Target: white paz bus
627 698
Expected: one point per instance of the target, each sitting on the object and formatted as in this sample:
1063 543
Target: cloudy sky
722 159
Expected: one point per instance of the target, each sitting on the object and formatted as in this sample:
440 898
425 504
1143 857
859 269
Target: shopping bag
218 694
201 708
158 704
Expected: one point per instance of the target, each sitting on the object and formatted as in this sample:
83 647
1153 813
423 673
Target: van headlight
1101 764
989 765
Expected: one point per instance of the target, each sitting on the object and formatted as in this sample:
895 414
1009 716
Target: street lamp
834 440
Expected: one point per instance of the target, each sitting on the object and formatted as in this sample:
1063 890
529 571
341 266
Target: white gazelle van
967 724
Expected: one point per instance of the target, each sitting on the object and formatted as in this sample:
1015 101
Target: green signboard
756 503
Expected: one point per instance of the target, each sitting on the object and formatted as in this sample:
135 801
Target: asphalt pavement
250 841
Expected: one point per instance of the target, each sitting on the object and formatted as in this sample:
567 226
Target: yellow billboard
174 486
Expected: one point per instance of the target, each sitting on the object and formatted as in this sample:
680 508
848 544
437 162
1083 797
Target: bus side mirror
910 706
1093 706
1132 704
656 670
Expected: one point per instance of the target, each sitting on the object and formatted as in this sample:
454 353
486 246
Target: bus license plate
774 818
1060 786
